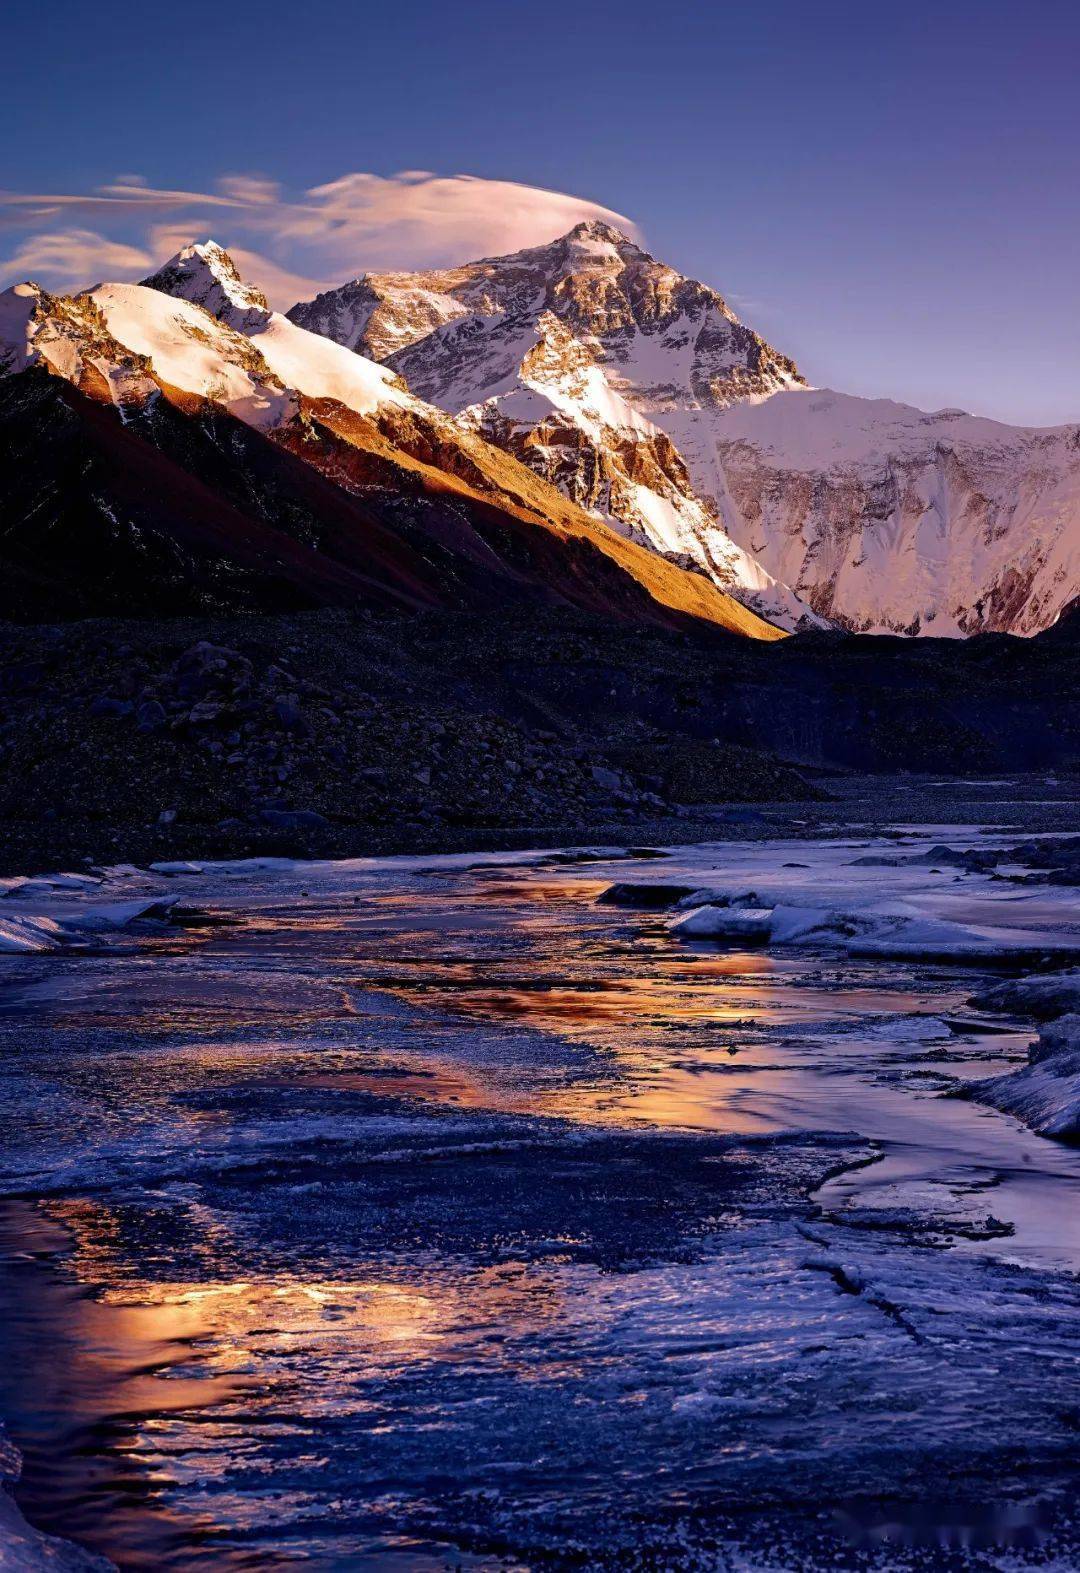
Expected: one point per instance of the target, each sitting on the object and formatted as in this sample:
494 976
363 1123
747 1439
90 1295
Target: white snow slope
130 338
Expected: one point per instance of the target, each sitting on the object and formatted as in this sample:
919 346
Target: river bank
333 735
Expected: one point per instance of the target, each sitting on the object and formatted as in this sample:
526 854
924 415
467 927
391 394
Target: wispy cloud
290 246
127 198
416 219
73 258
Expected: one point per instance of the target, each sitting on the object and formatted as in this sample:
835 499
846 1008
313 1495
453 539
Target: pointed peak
24 288
204 273
211 255
596 229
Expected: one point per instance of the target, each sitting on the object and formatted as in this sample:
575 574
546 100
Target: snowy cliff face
561 354
889 519
638 393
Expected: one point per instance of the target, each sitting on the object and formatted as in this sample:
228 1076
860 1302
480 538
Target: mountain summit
205 274
599 229
596 280
566 354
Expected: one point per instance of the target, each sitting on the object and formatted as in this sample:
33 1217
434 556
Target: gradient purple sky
888 192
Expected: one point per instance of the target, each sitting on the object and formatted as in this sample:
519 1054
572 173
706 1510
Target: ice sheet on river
918 910
53 911
491 1221
887 929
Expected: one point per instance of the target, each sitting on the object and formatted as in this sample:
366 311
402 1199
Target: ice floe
1045 1094
890 929
41 931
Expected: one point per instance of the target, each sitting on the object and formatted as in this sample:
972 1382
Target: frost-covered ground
403 1212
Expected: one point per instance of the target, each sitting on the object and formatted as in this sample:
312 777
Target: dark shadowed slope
174 469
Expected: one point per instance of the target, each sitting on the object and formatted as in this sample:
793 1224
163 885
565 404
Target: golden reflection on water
80 1374
548 891
126 1398
213 1317
756 995
142 1361
516 949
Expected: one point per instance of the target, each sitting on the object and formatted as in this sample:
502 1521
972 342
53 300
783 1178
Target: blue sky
888 192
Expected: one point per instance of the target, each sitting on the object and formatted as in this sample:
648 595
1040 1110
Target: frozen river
421 1211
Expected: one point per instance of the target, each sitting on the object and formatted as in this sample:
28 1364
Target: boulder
644 897
1042 995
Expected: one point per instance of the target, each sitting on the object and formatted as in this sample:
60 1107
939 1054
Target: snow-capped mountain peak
205 274
565 353
598 229
593 242
641 395
206 277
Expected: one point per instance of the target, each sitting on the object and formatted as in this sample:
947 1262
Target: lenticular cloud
419 219
291 244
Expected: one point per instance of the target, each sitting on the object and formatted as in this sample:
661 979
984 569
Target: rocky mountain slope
153 455
637 392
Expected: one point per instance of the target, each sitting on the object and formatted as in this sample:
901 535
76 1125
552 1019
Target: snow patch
193 352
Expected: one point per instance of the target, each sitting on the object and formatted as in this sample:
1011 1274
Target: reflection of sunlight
758 994
187 1378
223 1318
546 890
387 1319
609 1001
683 1100
213 1318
